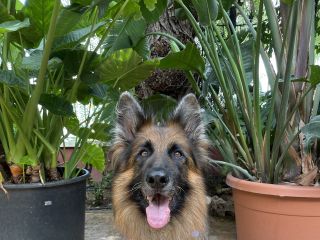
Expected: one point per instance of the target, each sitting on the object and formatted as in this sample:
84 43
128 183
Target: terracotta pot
275 212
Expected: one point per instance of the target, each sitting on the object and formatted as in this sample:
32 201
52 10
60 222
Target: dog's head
161 156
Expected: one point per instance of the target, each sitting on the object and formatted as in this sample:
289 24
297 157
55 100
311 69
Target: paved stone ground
99 226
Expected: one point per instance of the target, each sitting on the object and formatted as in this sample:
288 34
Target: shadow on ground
99 226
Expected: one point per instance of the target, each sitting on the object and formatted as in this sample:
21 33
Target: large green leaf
12 26
188 59
33 62
125 34
72 60
207 10
150 4
101 131
314 75
9 78
125 69
132 9
39 12
66 21
94 155
102 6
73 38
72 124
152 16
56 104
96 91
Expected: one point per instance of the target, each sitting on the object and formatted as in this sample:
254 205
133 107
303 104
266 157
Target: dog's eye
144 153
177 154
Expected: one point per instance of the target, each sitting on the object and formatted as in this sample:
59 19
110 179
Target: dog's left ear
129 116
188 114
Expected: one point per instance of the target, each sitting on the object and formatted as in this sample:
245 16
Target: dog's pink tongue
158 215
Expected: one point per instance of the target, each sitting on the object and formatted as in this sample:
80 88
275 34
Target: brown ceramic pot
275 212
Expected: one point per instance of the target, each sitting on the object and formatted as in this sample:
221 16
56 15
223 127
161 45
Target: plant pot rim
85 174
280 190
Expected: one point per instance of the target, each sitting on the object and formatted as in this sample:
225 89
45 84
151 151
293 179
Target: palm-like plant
272 147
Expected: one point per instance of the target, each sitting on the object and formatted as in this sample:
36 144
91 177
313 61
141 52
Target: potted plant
268 139
46 67
54 57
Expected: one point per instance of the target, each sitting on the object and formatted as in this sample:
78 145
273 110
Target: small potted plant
269 140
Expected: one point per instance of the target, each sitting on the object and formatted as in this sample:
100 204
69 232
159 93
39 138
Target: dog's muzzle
158 211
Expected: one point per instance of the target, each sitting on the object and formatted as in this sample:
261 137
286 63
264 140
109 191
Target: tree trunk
170 82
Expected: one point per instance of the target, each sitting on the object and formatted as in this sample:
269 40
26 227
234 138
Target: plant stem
213 58
282 116
269 68
240 169
76 85
275 30
32 105
177 41
257 129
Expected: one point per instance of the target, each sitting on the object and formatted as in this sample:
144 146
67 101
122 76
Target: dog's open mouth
158 211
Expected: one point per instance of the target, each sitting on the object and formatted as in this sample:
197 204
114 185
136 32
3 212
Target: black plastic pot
54 211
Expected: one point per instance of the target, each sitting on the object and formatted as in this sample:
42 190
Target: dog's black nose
157 178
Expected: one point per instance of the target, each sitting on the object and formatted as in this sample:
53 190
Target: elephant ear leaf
94 155
189 59
57 105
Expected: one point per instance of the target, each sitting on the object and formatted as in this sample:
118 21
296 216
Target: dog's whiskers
179 189
134 188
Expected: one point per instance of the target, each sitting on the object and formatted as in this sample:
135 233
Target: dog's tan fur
191 221
133 224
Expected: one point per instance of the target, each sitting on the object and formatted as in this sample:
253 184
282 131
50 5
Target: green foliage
125 34
27 160
56 104
150 4
54 56
314 75
94 156
207 10
126 69
152 16
67 20
9 78
39 13
74 38
160 104
253 134
12 26
187 59
311 130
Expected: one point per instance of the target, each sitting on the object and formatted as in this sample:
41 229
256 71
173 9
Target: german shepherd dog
158 188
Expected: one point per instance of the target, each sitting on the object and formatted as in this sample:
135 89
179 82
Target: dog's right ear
129 117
